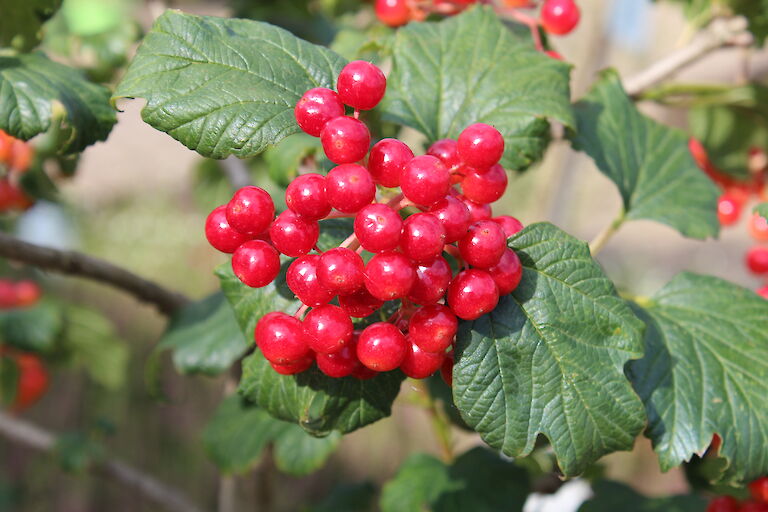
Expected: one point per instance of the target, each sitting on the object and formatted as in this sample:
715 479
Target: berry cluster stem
440 423
602 238
529 21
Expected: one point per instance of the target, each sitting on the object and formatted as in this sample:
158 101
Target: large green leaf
36 92
706 371
35 328
479 480
549 359
298 453
612 496
224 86
205 337
21 20
650 163
470 68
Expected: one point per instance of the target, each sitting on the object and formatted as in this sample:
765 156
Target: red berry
7 291
341 270
763 292
281 338
431 282
6 142
220 234
345 140
553 54
559 16
316 108
339 364
728 210
483 245
423 237
759 489
507 273
349 187
393 12
389 275
360 303
294 367
754 506
433 328
757 260
293 235
758 227
27 293
250 210
361 85
446 370
377 227
509 224
328 329
256 263
305 195
447 150
301 278
477 211
382 347
32 381
485 187
363 373
472 294
21 156
723 504
454 215
419 364
480 146
425 180
386 161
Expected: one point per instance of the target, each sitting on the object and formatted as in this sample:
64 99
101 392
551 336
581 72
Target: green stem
597 244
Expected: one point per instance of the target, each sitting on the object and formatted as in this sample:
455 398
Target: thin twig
440 423
78 264
597 244
236 172
32 436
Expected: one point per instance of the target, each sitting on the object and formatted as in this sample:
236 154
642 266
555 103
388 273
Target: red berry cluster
758 490
738 196
15 158
20 294
409 236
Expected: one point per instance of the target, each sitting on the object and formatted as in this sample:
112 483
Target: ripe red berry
386 161
281 338
419 364
723 504
250 210
758 227
393 12
305 195
483 245
328 329
431 282
425 180
32 381
433 328
27 293
485 187
293 368
763 291
7 290
382 347
446 370
423 237
454 215
757 260
728 210
256 263
472 293
559 16
447 150
220 234
759 489
477 211
360 303
509 224
377 227
293 235
754 506
301 278
361 85
389 275
345 140
341 270
349 187
339 364
507 273
480 146
316 108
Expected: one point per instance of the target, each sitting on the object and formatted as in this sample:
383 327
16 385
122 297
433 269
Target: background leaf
35 328
612 496
298 453
21 21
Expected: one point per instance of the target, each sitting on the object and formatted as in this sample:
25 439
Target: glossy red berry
754 506
360 303
305 196
723 504
728 210
393 12
507 273
472 293
293 235
301 278
477 211
759 489
250 210
559 16
446 370
419 364
757 260
377 227
345 140
328 329
447 150
220 234
484 187
480 146
423 237
483 245
339 364
758 227
431 282
349 187
389 275
27 293
433 328
256 263
361 85
341 270
281 338
32 381
509 224
425 180
454 215
293 368
386 161
382 347
315 108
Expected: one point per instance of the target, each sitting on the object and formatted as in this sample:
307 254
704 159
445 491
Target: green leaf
706 371
549 359
298 453
756 11
356 497
762 209
333 232
478 480
36 92
470 68
35 328
205 337
76 451
283 160
224 86
649 162
613 496
21 21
